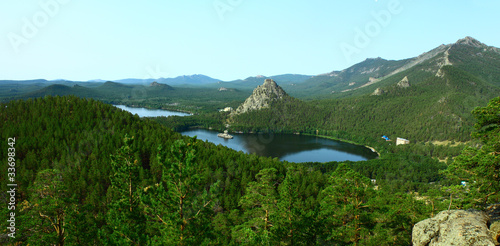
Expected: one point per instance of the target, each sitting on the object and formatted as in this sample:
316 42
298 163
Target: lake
286 147
144 112
292 148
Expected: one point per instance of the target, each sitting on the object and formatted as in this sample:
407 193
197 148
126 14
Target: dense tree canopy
479 167
91 174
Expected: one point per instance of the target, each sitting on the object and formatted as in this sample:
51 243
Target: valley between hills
91 174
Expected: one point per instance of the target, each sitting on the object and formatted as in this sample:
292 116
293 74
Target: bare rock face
378 92
404 83
471 42
454 227
493 212
262 96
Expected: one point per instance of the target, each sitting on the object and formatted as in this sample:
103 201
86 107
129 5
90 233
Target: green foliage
344 206
480 166
259 206
180 123
179 203
161 96
44 215
133 192
480 61
488 123
395 215
80 184
421 114
125 221
403 172
293 219
353 212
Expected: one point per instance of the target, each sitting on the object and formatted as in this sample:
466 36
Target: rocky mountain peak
262 97
270 83
470 41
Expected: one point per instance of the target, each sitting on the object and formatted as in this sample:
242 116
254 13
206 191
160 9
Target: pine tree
259 205
178 205
44 216
291 224
345 206
125 220
480 167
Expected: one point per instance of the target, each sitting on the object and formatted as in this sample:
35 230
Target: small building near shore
225 135
226 109
402 141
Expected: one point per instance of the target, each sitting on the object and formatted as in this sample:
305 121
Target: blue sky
226 39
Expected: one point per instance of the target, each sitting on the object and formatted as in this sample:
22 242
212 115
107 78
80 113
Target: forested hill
88 173
468 55
72 140
435 108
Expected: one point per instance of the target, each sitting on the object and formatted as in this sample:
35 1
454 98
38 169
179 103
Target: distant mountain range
109 90
196 79
467 54
184 80
206 81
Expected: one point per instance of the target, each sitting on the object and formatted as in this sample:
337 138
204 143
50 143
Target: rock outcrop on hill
262 97
154 83
159 85
456 227
404 83
378 92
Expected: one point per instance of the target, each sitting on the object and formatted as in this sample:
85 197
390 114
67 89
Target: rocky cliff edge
459 227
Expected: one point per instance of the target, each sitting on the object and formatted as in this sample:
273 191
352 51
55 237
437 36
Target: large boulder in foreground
493 212
454 227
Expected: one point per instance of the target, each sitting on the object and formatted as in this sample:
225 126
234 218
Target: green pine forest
88 173
91 174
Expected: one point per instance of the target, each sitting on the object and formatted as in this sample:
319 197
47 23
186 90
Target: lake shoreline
153 112
343 140
305 134
292 150
140 111
150 108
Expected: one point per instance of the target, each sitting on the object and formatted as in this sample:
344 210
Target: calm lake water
144 112
292 148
